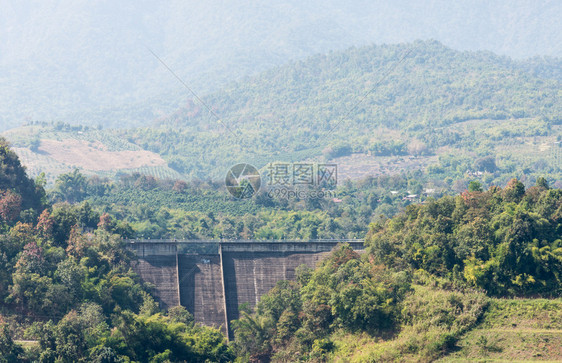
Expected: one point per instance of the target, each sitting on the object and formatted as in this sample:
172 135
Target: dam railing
144 247
202 241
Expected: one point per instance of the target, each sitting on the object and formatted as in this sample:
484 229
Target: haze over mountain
88 62
437 107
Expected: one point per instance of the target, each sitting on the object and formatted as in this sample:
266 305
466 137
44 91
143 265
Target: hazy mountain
436 101
87 61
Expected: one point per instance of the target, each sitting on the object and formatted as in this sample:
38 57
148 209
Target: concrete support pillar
226 322
178 277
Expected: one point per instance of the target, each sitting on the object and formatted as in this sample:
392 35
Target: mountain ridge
87 62
292 108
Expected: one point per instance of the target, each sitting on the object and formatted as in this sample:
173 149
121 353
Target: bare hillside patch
359 165
93 155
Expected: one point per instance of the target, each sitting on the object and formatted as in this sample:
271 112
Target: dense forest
163 208
505 241
425 280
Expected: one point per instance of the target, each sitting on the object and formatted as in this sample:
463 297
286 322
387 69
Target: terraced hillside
57 149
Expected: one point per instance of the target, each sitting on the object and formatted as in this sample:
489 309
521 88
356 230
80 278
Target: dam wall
201 288
161 272
249 275
212 286
153 248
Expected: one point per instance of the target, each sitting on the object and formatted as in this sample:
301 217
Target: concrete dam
212 279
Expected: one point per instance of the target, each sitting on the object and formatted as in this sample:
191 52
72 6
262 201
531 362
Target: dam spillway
213 283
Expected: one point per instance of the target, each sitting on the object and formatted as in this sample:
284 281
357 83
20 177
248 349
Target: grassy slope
447 325
515 330
434 318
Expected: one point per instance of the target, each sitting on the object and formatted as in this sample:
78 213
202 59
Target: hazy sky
67 59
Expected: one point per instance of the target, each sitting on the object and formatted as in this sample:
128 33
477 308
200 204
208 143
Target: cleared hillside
58 149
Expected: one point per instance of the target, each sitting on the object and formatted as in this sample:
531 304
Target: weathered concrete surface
249 275
153 248
283 247
161 272
201 289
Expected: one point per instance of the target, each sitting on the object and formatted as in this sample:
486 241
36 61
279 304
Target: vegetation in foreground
66 285
514 330
69 293
351 309
425 281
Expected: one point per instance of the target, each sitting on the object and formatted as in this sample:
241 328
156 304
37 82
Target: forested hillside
436 101
426 287
506 241
67 290
162 208
423 284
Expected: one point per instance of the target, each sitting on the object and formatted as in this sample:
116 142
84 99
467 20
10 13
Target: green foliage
505 241
345 292
474 186
380 148
487 163
145 207
9 350
179 314
154 338
349 309
83 335
140 206
437 100
70 187
17 191
434 317
71 274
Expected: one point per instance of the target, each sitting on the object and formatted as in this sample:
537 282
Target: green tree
542 183
70 187
9 350
474 186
